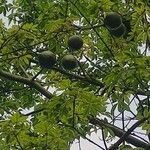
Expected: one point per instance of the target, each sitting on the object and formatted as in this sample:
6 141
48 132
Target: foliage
50 108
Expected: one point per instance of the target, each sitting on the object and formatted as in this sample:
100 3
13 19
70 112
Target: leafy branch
95 121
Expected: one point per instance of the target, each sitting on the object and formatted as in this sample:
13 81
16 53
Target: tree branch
94 29
119 133
126 134
95 81
95 121
26 81
82 78
88 139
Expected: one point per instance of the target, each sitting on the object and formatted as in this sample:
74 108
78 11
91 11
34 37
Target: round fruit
112 20
69 62
47 59
128 27
118 32
75 42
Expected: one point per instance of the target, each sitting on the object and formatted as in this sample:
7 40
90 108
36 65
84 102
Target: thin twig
79 144
119 132
92 28
88 139
33 78
104 139
73 111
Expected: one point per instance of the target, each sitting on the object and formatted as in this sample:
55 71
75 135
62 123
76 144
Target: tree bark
119 133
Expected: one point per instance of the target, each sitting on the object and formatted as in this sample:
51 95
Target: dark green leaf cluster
88 72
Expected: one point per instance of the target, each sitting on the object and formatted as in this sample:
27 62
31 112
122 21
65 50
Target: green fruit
69 62
118 32
75 42
47 59
112 20
128 27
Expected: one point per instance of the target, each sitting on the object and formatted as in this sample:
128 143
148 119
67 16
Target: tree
48 108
